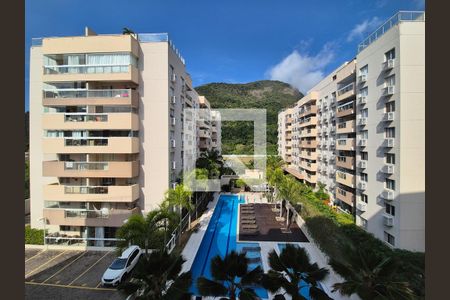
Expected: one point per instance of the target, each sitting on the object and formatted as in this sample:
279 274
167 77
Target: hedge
34 236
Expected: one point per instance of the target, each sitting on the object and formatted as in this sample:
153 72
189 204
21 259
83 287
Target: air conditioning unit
389 90
362 99
174 165
388 194
389 116
389 64
174 99
362 78
363 142
172 143
388 220
388 168
362 121
389 142
361 206
173 121
362 185
362 164
173 78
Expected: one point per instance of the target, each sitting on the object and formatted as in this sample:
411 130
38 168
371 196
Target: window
363 177
390 106
364 134
390 184
334 77
390 81
389 132
364 156
363 223
364 91
389 238
364 70
364 113
390 158
68 228
389 55
364 198
390 209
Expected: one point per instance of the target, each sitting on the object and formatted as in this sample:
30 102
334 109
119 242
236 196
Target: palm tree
231 278
370 275
180 197
128 31
156 277
147 232
288 190
291 271
211 160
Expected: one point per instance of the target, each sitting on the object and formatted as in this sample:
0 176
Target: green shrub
34 236
226 188
239 183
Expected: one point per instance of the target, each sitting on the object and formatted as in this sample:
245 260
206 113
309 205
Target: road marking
35 255
26 275
90 267
83 253
70 286
99 284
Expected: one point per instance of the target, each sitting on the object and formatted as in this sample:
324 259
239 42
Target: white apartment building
371 133
285 119
106 129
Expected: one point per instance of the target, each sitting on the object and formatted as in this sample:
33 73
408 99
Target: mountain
237 137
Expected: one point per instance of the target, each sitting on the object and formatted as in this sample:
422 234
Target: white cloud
301 70
363 28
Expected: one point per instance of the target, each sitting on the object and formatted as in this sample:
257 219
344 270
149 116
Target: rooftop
401 16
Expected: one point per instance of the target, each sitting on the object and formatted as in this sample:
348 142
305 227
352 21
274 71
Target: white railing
83 93
86 69
81 166
346 89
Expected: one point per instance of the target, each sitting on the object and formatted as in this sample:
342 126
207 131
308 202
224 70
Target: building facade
370 133
106 129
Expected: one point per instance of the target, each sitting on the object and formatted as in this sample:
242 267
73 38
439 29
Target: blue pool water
220 239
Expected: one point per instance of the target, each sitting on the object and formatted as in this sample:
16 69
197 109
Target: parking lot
59 274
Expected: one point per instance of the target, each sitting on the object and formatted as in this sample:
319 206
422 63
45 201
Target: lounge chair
251 249
248 212
248 221
248 217
249 226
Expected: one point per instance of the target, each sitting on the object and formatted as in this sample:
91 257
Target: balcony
83 217
389 142
62 73
362 99
388 169
345 196
346 127
362 142
345 110
389 116
91 145
308 122
388 194
388 220
74 97
308 111
308 144
346 92
362 185
345 144
308 155
80 121
310 166
345 178
347 162
204 134
113 193
388 65
111 169
309 177
362 121
361 206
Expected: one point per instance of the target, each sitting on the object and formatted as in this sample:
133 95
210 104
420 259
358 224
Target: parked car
121 266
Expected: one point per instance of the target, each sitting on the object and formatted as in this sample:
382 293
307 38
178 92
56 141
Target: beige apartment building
370 133
106 129
285 120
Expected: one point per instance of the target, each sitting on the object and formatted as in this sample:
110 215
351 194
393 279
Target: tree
128 31
212 161
147 232
291 271
288 190
370 275
196 181
231 278
156 277
180 197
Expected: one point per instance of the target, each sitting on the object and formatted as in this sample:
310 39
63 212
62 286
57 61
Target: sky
233 41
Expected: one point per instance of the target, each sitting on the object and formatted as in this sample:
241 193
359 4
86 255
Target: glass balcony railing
85 190
85 166
346 89
78 93
86 69
86 142
85 117
97 214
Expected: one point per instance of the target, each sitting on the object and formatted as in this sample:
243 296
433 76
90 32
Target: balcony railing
346 89
82 117
84 213
86 141
85 190
86 69
82 166
79 93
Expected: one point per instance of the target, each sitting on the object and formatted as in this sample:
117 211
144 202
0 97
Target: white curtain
109 63
73 60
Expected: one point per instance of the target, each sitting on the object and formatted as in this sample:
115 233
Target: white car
121 266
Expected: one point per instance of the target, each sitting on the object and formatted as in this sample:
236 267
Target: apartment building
391 132
209 127
370 133
285 120
106 129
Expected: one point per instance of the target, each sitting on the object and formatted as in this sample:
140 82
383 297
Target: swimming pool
220 239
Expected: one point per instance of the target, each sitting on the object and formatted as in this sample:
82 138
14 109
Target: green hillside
237 137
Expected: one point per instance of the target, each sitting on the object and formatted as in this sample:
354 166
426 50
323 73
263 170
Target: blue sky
235 41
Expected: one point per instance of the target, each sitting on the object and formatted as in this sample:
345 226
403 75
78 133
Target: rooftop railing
401 16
